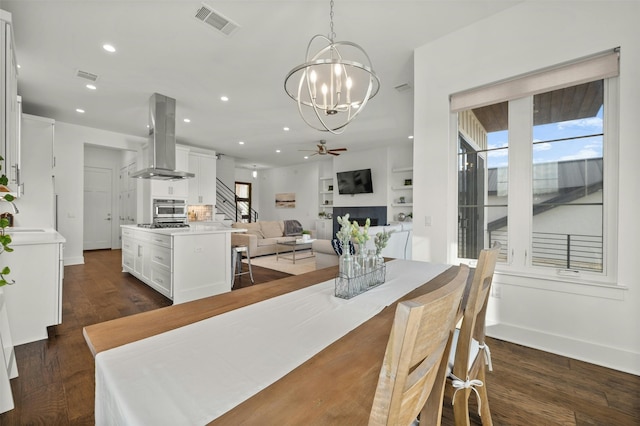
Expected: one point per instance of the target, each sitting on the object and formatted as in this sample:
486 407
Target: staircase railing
228 204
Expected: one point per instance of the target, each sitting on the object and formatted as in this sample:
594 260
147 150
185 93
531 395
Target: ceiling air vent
403 87
87 75
207 15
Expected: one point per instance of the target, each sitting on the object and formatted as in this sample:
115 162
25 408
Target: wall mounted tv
355 182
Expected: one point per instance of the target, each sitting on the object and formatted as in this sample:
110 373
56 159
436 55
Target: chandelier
330 89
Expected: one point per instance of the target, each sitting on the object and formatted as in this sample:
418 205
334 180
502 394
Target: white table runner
194 374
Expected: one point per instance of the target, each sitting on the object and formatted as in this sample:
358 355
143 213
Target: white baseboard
617 359
68 261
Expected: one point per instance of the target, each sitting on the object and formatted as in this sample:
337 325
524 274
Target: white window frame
521 167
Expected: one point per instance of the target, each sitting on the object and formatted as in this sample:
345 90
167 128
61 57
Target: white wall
69 151
226 170
374 159
303 180
588 322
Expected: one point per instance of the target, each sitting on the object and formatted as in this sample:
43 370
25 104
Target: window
567 181
533 158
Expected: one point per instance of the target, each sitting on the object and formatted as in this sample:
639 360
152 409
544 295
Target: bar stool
236 263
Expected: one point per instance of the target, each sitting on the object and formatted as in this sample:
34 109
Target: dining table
286 352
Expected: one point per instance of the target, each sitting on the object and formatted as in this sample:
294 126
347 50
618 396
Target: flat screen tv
355 182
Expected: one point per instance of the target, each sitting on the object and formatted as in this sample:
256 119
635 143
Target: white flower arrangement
361 235
381 240
344 234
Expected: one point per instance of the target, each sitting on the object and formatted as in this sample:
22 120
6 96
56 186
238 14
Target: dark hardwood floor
527 387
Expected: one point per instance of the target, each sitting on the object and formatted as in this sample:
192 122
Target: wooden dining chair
412 376
469 353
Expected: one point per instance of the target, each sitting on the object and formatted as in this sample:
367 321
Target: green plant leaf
5 271
8 249
4 222
7 197
3 282
4 180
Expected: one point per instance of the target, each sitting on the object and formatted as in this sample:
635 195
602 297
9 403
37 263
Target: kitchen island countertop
192 230
25 236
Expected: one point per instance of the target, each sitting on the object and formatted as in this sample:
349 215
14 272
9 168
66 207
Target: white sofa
261 236
398 246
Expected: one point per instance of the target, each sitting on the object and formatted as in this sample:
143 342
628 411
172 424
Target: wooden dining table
335 386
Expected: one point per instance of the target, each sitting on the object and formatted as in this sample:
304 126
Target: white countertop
25 236
194 229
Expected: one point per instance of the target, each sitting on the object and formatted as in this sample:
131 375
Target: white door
97 208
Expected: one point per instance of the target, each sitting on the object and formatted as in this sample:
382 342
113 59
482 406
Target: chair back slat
473 322
413 370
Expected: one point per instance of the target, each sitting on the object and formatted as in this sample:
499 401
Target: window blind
596 67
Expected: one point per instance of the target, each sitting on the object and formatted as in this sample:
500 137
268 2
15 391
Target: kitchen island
183 264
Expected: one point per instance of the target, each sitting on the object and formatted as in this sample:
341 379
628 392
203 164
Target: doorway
97 208
471 201
243 201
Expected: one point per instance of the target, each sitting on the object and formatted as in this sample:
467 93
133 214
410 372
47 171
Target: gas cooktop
164 225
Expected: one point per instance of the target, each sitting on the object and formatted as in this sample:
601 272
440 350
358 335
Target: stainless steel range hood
162 141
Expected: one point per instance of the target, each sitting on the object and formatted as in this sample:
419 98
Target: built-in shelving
325 194
401 181
402 169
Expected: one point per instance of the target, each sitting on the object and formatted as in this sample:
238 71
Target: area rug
285 265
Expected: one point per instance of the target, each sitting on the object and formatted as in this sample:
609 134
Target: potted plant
306 234
322 215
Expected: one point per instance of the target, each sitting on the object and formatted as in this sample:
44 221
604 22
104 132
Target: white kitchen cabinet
37 203
9 105
324 229
34 302
173 189
202 188
8 368
182 265
128 195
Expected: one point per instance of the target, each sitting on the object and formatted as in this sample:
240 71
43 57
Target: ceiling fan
323 150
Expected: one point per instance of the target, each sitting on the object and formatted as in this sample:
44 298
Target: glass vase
347 265
362 261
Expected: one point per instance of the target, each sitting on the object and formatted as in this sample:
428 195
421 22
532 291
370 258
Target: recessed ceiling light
91 86
286 129
241 143
306 157
411 137
277 150
19 66
80 110
109 48
224 98
187 120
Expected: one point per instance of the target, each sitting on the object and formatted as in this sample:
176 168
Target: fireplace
377 214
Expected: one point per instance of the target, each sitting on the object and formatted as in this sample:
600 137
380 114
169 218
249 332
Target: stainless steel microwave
169 209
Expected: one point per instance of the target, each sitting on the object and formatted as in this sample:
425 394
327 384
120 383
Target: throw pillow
271 229
337 247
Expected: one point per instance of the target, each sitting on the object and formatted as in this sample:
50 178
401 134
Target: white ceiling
161 47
